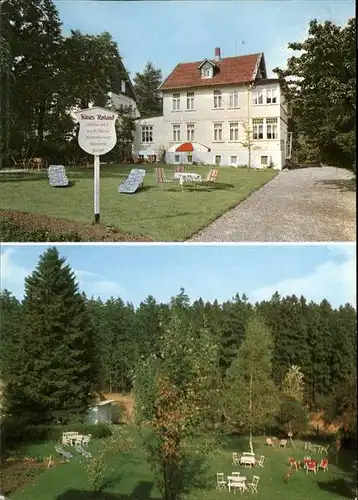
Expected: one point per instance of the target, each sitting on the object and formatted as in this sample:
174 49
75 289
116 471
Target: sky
207 271
169 32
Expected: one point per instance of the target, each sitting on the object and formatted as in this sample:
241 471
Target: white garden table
237 482
186 177
247 459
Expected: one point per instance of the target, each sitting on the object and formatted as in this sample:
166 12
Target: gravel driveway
311 204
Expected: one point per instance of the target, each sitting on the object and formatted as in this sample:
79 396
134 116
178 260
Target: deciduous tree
320 86
250 393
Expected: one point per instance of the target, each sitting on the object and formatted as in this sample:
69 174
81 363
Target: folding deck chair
160 177
211 177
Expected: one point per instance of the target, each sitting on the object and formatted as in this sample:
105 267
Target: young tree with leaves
176 396
293 383
250 394
52 372
146 84
248 142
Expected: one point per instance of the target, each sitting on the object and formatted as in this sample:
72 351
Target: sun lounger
65 454
83 452
57 176
133 182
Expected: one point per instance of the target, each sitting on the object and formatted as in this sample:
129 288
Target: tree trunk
250 412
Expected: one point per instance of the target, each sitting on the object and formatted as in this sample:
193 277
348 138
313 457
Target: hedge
13 433
12 231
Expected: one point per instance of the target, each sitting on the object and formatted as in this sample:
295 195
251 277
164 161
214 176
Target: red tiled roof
229 70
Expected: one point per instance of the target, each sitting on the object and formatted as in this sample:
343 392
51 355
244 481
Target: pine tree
147 327
116 348
146 85
10 325
52 375
235 317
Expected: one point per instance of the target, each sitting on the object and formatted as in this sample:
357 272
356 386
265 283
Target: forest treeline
57 333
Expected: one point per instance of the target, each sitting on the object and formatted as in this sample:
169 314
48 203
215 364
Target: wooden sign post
97 136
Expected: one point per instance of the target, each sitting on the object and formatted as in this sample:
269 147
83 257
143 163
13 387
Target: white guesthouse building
212 103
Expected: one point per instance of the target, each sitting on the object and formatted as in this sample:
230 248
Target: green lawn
169 215
129 476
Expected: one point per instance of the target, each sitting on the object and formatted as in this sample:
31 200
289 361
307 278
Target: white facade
124 102
217 116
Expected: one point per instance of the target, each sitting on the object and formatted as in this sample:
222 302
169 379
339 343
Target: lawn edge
231 207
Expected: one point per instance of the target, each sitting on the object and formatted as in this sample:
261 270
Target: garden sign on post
97 136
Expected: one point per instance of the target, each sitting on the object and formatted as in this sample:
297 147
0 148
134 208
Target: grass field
128 475
169 215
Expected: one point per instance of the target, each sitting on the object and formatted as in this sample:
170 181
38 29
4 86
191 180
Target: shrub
15 433
10 230
293 415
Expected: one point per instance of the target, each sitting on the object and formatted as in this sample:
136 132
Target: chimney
217 53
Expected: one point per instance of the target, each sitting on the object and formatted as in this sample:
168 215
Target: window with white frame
176 158
258 128
147 133
218 131
176 133
176 102
271 96
218 99
190 132
234 131
233 160
190 100
217 159
271 128
189 158
123 86
258 96
234 99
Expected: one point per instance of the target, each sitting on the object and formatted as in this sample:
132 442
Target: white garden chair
235 474
86 439
270 442
254 484
260 462
309 446
235 459
283 443
220 481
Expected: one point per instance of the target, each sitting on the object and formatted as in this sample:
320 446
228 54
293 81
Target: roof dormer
206 68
